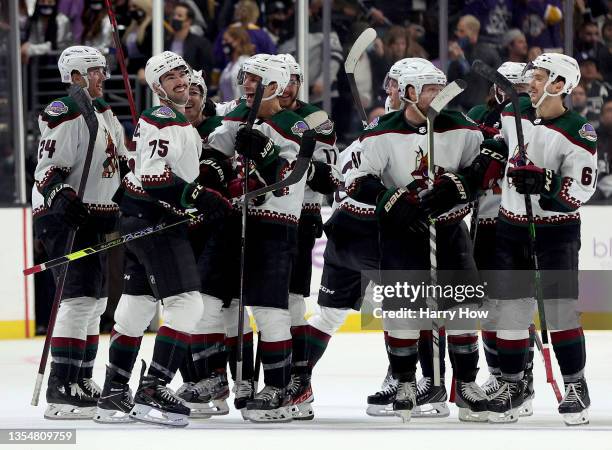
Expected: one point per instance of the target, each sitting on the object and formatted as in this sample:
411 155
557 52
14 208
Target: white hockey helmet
396 69
294 67
198 80
557 65
80 58
158 65
418 72
271 69
515 73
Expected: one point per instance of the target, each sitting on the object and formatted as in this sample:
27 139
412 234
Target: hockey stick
436 106
549 376
474 221
245 211
121 59
364 40
85 106
502 82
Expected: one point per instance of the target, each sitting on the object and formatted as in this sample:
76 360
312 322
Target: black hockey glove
210 109
215 173
489 165
311 226
256 146
65 201
449 190
207 201
398 209
534 180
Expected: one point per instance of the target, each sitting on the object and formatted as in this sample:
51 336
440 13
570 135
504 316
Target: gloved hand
65 201
532 180
207 201
311 226
398 209
210 109
215 173
449 190
493 156
256 146
236 188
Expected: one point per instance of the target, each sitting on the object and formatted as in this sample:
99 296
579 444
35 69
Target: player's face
96 77
536 87
250 85
392 90
176 85
428 93
290 93
193 108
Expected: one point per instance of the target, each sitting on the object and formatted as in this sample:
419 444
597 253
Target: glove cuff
552 184
52 194
460 185
388 199
190 194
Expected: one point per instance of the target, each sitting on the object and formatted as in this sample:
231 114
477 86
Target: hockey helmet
557 65
80 58
271 69
198 80
515 73
418 72
158 65
294 67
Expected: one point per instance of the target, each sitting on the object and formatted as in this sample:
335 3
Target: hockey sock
299 362
208 354
67 357
463 352
489 342
276 362
91 350
512 355
532 338
316 344
231 343
403 355
122 355
570 351
168 353
187 368
426 352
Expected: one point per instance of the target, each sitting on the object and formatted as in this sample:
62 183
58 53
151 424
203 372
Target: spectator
579 100
533 53
47 30
604 155
24 16
278 25
414 36
515 43
97 26
589 45
495 17
73 9
386 52
540 20
237 45
196 50
596 89
462 53
138 37
393 12
246 14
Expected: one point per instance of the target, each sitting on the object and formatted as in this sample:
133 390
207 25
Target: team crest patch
56 108
373 124
299 127
326 127
165 112
588 132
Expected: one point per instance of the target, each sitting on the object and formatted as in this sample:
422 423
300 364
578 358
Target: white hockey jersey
285 129
62 151
396 152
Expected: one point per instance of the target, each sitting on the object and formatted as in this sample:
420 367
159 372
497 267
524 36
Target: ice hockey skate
67 401
380 404
504 404
405 400
271 404
115 402
574 406
207 397
471 401
431 400
301 397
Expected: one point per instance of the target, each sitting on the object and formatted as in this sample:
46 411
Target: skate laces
471 391
76 390
268 393
491 385
242 389
573 393
423 385
406 390
206 385
505 392
166 394
92 387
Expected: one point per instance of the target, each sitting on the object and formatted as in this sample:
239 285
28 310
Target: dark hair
190 13
51 32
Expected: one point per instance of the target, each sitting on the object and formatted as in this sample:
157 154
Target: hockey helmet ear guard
161 64
81 58
557 65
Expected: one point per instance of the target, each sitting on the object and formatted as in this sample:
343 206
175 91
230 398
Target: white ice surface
352 368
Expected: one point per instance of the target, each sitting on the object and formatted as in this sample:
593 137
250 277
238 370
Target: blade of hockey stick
444 97
360 45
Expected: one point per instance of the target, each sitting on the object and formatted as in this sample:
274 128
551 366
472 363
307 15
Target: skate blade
404 414
467 415
302 411
111 416
510 416
147 414
206 410
575 419
526 409
380 411
58 411
282 414
432 410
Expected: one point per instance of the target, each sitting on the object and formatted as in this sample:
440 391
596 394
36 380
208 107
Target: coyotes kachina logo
110 164
517 159
421 173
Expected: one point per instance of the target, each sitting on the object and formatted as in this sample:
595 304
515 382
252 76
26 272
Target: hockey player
323 179
272 146
71 391
164 182
389 175
489 118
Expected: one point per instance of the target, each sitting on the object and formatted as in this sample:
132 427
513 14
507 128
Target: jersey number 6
160 145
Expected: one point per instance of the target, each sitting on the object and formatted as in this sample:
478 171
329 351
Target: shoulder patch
325 128
373 123
164 112
299 127
588 132
56 108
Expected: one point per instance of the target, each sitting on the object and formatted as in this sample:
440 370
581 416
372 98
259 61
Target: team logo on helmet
56 108
588 132
299 127
373 124
164 112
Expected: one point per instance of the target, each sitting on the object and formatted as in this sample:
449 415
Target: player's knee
211 319
134 313
297 309
182 311
73 316
516 314
404 334
328 320
562 314
273 323
513 335
93 324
